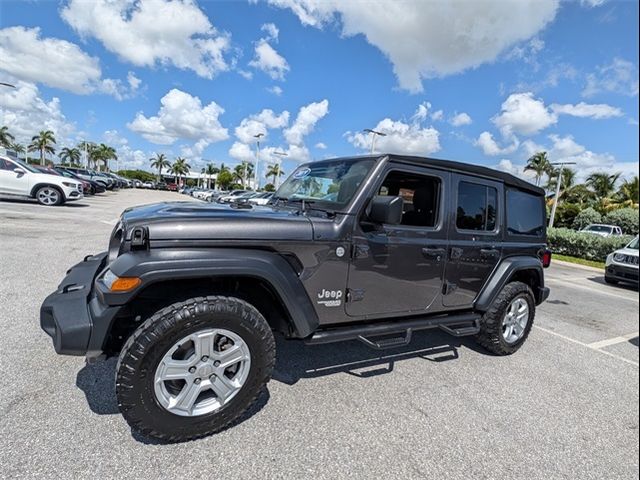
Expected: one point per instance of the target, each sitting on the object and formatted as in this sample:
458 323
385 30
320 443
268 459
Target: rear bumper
68 314
543 294
622 273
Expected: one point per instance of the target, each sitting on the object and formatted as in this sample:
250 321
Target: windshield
26 166
598 228
634 244
332 183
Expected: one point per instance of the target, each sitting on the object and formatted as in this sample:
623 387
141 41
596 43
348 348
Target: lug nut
197 381
212 377
216 363
205 358
192 370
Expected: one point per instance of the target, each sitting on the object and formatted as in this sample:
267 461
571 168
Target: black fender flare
173 264
501 275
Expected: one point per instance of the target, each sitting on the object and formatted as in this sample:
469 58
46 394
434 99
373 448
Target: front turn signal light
120 284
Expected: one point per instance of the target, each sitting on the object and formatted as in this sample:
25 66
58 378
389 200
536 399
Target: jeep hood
206 221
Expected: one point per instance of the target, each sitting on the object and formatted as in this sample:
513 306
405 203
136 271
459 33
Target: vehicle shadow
624 286
295 361
29 201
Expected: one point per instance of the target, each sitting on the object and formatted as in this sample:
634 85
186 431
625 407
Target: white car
622 265
261 199
18 178
603 230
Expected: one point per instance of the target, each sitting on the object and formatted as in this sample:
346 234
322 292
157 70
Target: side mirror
19 171
386 209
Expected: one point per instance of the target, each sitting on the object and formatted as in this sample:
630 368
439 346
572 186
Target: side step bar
457 325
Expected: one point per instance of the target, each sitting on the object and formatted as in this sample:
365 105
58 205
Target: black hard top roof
466 168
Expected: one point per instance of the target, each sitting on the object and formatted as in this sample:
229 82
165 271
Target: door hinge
360 251
448 288
355 294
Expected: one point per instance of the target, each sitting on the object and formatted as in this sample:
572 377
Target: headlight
619 257
70 185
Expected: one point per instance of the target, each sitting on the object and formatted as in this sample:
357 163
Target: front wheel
194 367
506 326
49 196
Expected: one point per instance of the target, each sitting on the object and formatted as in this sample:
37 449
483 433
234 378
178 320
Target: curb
578 266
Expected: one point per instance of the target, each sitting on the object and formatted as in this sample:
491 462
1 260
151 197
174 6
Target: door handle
433 252
489 252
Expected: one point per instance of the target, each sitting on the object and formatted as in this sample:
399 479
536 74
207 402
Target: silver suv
622 265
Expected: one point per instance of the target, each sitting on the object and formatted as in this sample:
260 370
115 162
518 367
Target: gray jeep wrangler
371 248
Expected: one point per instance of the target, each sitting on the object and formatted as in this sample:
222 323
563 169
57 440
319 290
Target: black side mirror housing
386 209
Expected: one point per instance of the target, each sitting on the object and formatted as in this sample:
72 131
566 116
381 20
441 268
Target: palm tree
242 172
603 184
539 163
629 191
176 170
18 148
73 155
105 153
209 171
568 180
43 143
160 162
274 171
182 167
6 138
580 195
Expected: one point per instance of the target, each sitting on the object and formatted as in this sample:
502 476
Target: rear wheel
194 367
506 326
49 196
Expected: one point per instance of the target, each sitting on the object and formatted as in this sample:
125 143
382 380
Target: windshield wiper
305 205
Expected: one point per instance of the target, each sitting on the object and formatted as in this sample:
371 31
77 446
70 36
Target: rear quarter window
526 215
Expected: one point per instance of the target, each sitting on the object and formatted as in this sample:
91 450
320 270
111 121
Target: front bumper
68 315
622 273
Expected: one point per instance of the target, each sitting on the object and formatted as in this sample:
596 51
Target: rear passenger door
475 236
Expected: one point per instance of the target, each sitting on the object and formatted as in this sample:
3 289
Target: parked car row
54 185
232 197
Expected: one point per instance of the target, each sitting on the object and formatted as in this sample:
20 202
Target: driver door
11 182
399 269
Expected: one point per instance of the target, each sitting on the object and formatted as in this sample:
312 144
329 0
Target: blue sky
482 82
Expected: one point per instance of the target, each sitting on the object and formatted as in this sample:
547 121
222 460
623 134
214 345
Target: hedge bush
625 218
586 217
564 241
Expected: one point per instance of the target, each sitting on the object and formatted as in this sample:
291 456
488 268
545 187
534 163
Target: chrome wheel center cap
205 370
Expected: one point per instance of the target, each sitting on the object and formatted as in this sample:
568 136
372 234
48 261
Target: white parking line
588 345
612 341
589 289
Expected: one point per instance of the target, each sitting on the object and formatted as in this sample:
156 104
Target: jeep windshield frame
328 185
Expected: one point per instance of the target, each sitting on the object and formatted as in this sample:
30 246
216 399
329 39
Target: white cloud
522 113
461 119
402 138
321 146
276 90
267 59
421 112
128 158
271 31
620 76
260 123
437 115
25 112
491 147
420 38
153 32
306 121
247 75
586 110
181 116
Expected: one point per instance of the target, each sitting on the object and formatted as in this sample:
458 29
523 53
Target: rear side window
525 214
476 207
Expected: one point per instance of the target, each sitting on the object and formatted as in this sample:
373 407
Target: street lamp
374 134
279 154
5 84
561 165
255 174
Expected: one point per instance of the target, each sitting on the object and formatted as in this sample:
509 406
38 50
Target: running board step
387 342
458 325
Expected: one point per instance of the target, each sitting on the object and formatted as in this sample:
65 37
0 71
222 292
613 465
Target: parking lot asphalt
564 406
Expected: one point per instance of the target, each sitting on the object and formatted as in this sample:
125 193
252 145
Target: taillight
546 258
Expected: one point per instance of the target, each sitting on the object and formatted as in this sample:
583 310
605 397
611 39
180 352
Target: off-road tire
490 336
144 350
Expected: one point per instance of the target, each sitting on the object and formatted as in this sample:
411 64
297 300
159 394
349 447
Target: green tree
568 180
274 171
160 161
105 153
540 164
587 217
43 142
209 171
71 155
627 195
225 178
243 172
603 184
6 138
18 148
180 168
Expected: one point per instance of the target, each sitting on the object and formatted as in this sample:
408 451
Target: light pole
279 154
5 84
561 165
374 134
255 174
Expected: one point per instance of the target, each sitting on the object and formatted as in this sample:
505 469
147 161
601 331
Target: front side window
525 213
420 195
477 205
331 184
